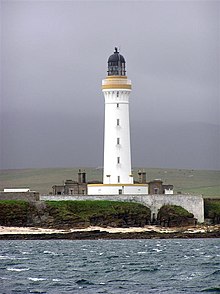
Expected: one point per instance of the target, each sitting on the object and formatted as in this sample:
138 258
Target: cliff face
64 214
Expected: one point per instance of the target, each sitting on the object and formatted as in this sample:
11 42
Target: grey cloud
54 55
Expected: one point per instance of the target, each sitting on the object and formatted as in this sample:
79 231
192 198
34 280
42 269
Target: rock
175 216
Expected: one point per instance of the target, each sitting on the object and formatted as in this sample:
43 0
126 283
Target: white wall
16 190
114 189
112 131
168 191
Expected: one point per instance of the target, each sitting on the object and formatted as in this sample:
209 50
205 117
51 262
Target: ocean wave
38 292
7 257
214 273
149 269
212 290
36 279
112 257
84 282
49 252
157 250
124 267
17 269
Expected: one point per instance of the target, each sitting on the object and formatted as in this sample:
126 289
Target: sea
110 266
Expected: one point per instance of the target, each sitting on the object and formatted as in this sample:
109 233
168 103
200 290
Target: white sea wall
192 203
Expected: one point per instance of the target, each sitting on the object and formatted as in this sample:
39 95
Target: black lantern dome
116 64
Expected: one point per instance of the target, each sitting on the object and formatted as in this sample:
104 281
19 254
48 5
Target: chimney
79 176
142 178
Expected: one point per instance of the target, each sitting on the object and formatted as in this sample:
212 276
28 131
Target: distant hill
203 182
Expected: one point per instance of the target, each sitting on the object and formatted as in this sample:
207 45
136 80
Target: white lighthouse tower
116 88
117 176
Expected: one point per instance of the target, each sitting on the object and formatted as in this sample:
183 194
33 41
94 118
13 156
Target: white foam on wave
4 278
12 269
36 279
157 250
7 257
49 252
4 257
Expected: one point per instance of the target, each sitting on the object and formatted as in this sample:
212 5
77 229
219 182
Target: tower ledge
116 82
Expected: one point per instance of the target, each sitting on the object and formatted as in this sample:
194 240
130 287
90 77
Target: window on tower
118 179
118 160
117 105
117 94
118 141
118 122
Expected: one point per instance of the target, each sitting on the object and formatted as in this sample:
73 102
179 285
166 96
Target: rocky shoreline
95 233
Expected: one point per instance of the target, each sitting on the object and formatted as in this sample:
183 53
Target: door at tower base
117 189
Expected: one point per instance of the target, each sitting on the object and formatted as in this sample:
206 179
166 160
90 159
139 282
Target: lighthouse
117 175
116 88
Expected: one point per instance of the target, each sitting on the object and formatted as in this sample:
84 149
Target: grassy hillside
186 181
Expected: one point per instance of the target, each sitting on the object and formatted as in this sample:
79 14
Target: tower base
117 189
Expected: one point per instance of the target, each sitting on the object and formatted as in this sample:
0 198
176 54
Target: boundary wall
193 204
27 196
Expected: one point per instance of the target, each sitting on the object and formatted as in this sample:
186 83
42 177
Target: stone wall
193 204
28 196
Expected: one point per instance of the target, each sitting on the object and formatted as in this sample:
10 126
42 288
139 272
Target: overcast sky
54 56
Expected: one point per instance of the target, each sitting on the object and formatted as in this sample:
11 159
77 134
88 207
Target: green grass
212 208
205 182
21 203
175 210
173 215
13 212
90 208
